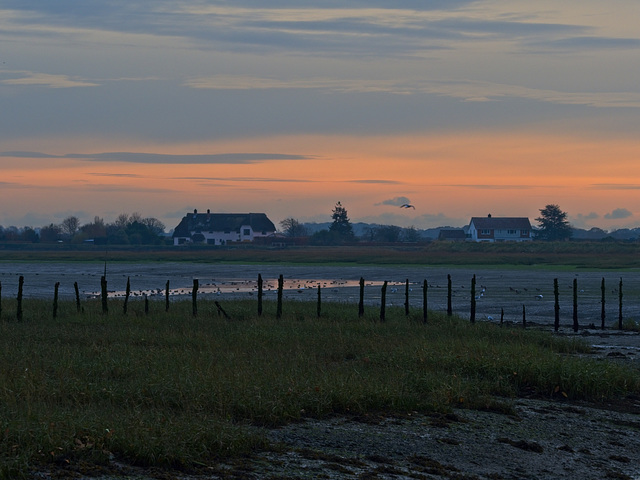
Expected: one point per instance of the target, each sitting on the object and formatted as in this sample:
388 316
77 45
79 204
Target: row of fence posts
221 311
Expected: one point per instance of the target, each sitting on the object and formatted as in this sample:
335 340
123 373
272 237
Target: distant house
500 229
222 228
452 235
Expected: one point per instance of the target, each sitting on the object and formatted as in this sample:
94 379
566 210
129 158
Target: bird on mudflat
407 205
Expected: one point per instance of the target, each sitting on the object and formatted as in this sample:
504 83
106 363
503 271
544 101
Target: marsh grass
173 390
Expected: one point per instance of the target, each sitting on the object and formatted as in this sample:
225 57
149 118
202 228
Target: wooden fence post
473 299
603 313
383 301
319 306
361 302
55 299
425 287
166 297
103 294
126 296
620 305
259 294
524 317
501 316
449 309
575 305
20 287
280 288
146 304
406 298
194 297
75 287
556 294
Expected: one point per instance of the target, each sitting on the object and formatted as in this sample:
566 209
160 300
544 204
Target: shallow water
498 290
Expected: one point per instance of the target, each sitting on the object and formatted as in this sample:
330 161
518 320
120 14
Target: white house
222 228
500 229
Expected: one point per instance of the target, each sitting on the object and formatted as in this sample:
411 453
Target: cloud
618 214
159 158
616 186
48 80
248 179
376 181
125 175
395 202
587 43
583 221
488 186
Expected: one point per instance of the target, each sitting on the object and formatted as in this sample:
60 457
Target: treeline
125 230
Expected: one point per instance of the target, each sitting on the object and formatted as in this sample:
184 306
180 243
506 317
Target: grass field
173 390
601 255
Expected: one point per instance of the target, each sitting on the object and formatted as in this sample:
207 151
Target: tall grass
173 390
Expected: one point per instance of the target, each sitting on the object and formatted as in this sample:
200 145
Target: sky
460 108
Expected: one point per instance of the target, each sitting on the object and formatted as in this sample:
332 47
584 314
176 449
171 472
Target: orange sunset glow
461 109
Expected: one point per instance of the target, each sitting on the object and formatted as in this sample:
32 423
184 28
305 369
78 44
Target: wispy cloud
616 186
466 90
159 158
49 80
376 181
248 179
395 202
491 186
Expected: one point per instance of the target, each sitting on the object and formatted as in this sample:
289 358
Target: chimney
489 216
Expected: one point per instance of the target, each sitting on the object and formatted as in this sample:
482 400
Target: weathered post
361 302
620 305
259 294
75 286
406 298
166 297
449 309
55 299
103 294
20 287
524 317
383 301
319 307
575 305
556 294
603 314
280 288
126 296
501 316
425 287
473 300
194 297
146 304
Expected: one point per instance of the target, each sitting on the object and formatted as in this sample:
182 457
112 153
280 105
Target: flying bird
407 205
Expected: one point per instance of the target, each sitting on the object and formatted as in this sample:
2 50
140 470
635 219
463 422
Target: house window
512 232
246 232
524 233
485 231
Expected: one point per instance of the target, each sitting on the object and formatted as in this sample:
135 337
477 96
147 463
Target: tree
341 226
154 225
410 234
553 224
50 233
293 228
70 225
